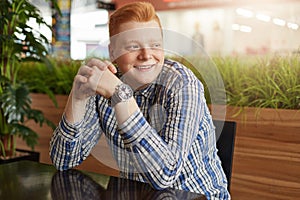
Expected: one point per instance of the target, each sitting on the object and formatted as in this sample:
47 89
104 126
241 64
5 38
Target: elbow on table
63 164
159 187
162 183
166 177
57 164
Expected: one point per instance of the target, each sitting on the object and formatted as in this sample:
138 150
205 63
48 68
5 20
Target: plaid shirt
169 142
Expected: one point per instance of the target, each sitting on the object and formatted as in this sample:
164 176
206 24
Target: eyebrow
131 41
139 41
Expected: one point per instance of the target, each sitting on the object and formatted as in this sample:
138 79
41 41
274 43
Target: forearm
153 158
124 110
71 143
75 109
107 87
160 151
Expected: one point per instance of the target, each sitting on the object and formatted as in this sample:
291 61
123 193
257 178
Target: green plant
19 43
265 82
260 81
58 79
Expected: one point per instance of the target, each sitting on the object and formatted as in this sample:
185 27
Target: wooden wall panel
266 161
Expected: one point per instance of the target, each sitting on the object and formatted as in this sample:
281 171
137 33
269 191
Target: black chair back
225 136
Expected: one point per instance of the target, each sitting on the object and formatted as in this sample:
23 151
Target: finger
85 71
80 79
96 62
97 74
111 67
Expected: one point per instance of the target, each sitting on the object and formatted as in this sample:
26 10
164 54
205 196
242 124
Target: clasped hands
95 76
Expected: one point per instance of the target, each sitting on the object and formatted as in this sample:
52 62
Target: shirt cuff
69 130
133 128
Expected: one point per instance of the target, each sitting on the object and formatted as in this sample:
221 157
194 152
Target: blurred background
222 27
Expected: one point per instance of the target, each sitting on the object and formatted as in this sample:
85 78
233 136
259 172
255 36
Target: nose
145 53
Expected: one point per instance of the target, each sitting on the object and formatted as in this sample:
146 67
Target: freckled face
138 52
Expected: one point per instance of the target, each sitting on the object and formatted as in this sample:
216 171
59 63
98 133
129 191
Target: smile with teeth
144 67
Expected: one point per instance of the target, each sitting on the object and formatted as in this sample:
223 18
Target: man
154 116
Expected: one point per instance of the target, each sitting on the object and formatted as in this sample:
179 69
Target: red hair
136 11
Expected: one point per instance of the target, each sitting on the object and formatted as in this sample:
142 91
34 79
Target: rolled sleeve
133 128
63 145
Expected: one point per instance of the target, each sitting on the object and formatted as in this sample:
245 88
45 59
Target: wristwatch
123 92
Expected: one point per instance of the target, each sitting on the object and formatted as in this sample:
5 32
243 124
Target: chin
139 80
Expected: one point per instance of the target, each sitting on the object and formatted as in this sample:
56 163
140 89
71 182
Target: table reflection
73 184
76 185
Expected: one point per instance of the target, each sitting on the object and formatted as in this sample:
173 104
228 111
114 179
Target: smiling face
137 50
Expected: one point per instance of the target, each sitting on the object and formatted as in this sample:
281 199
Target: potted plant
19 42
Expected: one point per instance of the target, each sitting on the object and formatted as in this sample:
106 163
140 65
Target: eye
132 47
156 45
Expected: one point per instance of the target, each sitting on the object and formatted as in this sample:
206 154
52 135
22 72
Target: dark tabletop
33 180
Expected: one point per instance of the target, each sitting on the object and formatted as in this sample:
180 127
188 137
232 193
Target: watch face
125 92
